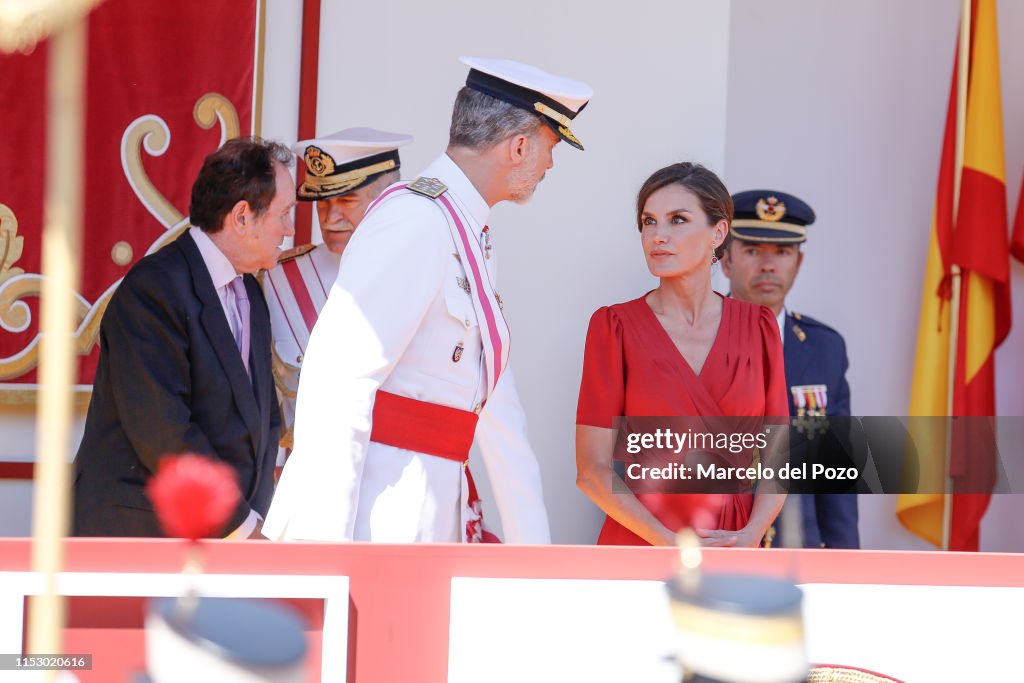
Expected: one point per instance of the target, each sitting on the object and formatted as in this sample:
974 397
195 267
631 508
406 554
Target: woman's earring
714 256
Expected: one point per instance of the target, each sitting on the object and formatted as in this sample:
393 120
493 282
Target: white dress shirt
222 273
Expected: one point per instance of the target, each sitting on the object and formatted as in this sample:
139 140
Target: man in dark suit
185 352
762 262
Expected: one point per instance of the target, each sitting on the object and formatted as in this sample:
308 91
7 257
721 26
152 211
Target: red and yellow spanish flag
974 239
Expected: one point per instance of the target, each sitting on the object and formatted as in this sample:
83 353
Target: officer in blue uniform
762 262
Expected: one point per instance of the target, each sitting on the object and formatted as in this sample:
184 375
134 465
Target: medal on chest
810 399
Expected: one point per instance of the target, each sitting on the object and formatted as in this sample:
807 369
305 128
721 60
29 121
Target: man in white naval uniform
345 171
407 365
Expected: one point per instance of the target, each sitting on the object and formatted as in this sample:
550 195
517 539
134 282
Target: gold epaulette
797 330
295 252
428 187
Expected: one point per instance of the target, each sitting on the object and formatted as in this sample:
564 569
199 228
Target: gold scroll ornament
11 244
147 132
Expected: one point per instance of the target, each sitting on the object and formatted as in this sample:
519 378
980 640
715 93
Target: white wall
282 54
843 104
574 247
17 426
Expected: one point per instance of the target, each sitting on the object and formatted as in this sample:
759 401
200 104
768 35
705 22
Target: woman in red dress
679 350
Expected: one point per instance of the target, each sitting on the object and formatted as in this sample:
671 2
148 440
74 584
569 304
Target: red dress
631 367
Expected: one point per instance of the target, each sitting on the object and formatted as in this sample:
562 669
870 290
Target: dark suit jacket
817 355
170 380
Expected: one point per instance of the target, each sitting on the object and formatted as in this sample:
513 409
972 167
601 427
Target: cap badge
318 162
770 209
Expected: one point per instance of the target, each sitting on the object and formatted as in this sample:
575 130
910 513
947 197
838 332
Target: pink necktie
242 309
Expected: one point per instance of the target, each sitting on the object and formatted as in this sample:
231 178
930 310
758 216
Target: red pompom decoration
193 495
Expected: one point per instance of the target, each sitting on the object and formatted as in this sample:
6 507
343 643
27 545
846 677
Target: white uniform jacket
393 321
296 291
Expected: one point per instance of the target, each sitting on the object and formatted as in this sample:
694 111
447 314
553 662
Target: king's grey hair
480 121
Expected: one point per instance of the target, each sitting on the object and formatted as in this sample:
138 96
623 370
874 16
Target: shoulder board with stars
295 252
797 330
428 187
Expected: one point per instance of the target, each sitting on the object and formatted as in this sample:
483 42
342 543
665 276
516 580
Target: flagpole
963 76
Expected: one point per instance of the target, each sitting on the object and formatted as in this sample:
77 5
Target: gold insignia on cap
567 134
315 187
318 162
770 209
428 187
561 119
785 233
553 115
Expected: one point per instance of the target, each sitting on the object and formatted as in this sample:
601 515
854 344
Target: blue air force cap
771 217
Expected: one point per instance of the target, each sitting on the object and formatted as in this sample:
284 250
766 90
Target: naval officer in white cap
345 171
408 363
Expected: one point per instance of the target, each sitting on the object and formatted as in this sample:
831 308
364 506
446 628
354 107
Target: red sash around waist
423 427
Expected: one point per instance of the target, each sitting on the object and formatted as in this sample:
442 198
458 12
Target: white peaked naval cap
345 161
555 99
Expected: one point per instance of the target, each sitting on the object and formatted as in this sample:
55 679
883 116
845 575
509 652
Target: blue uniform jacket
816 354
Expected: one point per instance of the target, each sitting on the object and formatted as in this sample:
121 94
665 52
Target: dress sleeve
602 390
776 401
840 404
512 467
